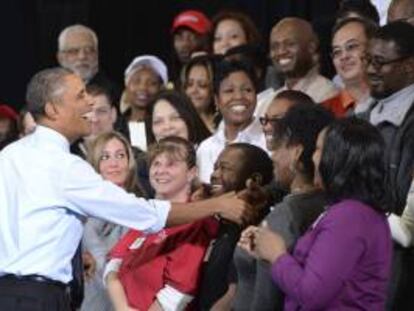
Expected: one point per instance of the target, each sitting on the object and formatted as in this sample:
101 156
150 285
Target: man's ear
50 110
313 47
257 178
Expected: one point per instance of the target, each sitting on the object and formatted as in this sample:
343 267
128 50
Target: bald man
401 10
294 53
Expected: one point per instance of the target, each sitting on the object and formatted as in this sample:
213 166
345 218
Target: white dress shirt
46 193
402 227
210 148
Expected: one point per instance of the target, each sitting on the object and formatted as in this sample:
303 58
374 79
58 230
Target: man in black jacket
390 69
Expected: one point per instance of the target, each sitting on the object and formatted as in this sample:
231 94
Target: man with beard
235 165
190 30
294 53
390 69
78 52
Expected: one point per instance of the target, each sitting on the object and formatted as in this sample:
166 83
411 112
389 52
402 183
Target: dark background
125 28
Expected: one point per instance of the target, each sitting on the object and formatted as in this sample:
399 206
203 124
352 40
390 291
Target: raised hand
257 198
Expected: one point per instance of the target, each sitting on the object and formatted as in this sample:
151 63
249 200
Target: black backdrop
126 28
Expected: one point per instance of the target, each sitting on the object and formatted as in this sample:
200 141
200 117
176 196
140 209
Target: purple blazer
342 262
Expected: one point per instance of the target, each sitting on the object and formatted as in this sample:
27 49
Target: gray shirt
99 238
290 218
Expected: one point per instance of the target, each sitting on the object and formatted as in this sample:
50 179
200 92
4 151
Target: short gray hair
44 86
76 28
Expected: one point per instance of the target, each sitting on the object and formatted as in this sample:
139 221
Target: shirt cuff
112 266
398 230
172 299
163 209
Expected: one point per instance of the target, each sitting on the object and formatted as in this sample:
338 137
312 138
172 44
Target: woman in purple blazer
343 261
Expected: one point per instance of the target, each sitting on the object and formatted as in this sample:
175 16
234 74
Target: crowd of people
219 182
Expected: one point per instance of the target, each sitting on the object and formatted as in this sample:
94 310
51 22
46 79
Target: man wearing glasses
78 51
349 44
390 69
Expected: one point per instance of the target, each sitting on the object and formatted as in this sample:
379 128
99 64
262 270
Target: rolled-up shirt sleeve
402 227
86 193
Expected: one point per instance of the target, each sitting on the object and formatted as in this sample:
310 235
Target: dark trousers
28 295
400 295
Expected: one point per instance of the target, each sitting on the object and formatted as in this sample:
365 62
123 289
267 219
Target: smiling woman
162 270
111 155
235 94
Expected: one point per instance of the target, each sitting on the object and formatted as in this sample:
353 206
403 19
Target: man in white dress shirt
46 194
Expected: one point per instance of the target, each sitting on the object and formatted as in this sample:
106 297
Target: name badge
137 243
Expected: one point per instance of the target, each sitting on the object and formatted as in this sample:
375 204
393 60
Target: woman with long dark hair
344 259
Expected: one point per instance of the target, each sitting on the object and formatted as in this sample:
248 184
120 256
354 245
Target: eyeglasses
349 47
265 120
378 62
87 50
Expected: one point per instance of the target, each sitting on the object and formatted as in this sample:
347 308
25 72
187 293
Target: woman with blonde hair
110 155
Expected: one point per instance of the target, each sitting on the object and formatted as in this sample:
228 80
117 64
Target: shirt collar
52 136
249 134
394 108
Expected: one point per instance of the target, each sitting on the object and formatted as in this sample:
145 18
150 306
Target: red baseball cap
8 113
195 20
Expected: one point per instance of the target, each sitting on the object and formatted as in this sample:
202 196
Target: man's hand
257 198
231 207
89 265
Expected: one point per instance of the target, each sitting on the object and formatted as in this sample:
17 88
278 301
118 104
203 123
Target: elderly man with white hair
78 51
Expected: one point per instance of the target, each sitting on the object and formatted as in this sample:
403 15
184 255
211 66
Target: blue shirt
46 193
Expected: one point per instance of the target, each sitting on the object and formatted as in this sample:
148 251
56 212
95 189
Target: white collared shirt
210 148
46 193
